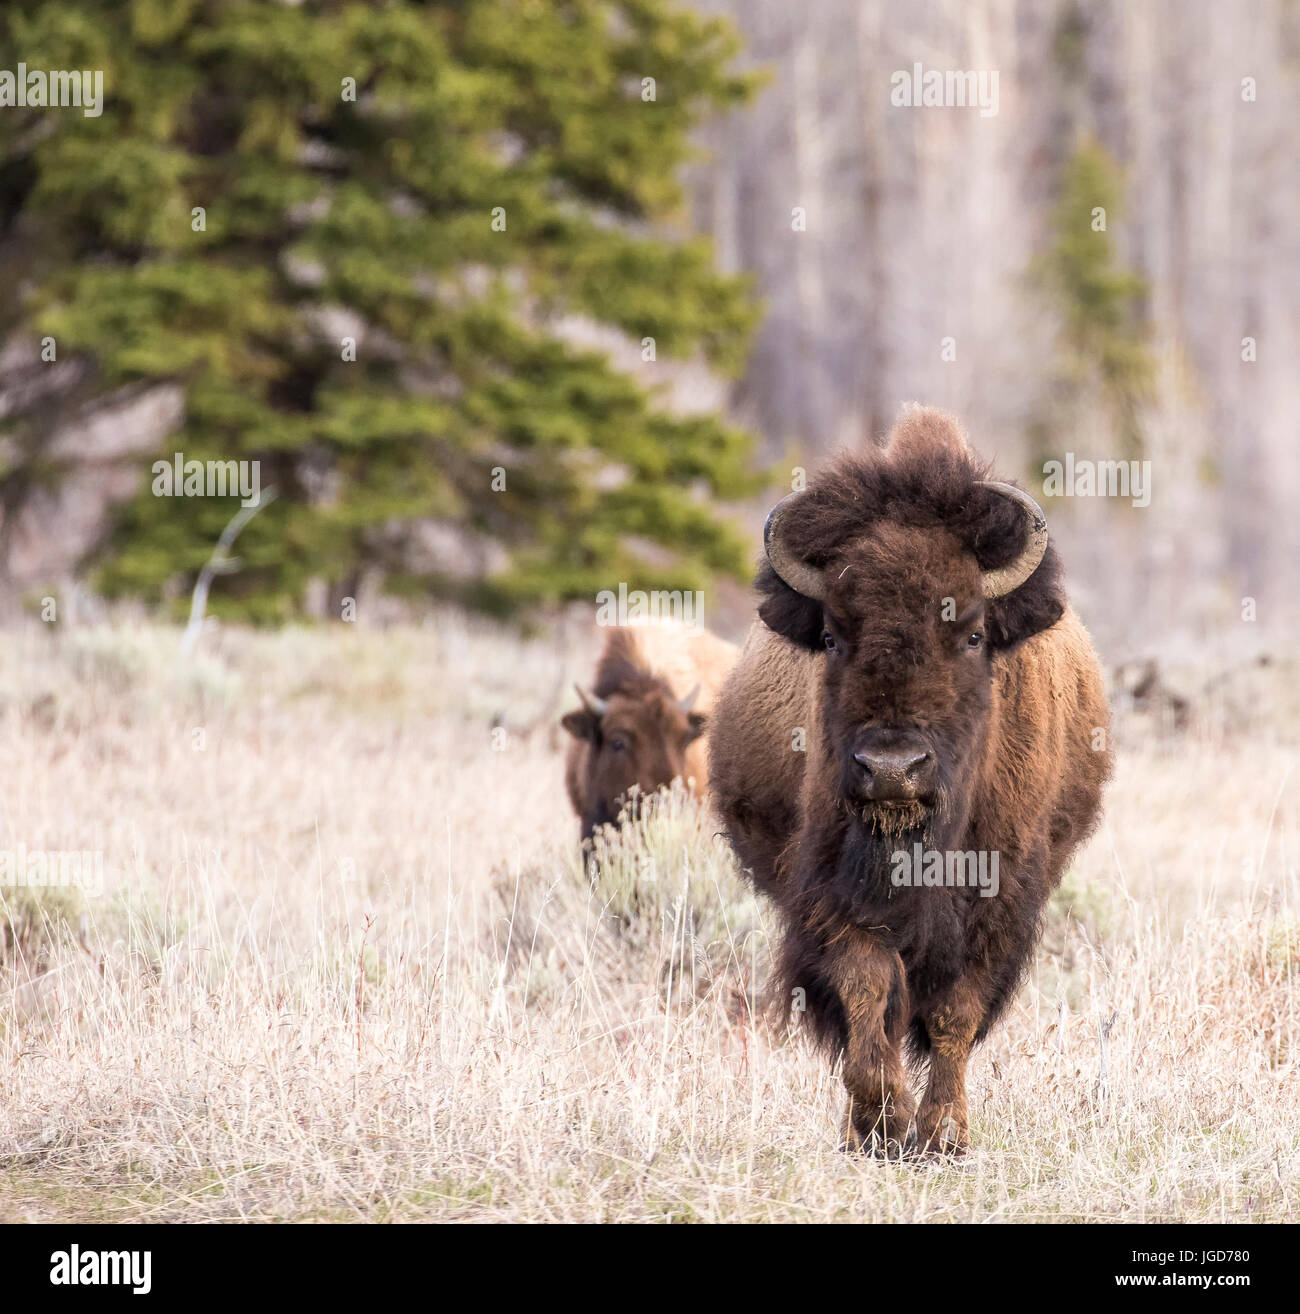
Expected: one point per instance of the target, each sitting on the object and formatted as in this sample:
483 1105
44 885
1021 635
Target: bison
916 644
643 722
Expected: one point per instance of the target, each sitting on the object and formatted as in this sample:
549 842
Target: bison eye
974 641
828 641
618 744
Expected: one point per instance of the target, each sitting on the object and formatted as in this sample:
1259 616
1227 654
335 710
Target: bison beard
950 700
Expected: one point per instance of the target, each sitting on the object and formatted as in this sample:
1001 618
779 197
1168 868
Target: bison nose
905 774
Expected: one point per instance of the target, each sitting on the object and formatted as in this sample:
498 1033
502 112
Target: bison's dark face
905 679
636 739
908 572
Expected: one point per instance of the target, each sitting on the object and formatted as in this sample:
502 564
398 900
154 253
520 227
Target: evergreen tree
440 182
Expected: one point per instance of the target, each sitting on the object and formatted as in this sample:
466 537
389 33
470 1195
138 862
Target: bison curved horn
799 575
997 583
596 706
689 701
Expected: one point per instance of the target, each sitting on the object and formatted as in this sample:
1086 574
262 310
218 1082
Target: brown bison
643 722
918 647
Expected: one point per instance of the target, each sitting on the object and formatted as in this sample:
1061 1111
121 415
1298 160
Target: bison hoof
882 1144
948 1137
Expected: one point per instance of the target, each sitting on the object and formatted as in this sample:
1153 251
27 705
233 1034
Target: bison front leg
942 1122
873 992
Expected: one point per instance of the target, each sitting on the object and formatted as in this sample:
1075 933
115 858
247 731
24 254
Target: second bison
642 724
918 708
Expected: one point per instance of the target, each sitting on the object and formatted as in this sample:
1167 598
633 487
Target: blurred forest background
609 271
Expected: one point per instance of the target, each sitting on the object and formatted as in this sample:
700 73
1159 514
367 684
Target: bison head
637 736
907 570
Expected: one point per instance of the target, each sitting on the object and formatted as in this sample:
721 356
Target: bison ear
581 724
788 613
697 723
1035 606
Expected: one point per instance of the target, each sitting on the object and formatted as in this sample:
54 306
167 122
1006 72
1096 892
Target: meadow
346 963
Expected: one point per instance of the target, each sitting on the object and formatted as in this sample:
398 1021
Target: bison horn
997 583
810 581
596 706
799 575
689 701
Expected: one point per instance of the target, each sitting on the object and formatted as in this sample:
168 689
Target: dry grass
346 966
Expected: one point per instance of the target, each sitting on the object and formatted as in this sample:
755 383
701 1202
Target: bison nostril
914 765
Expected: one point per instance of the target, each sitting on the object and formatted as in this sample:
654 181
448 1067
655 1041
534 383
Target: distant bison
643 722
918 647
